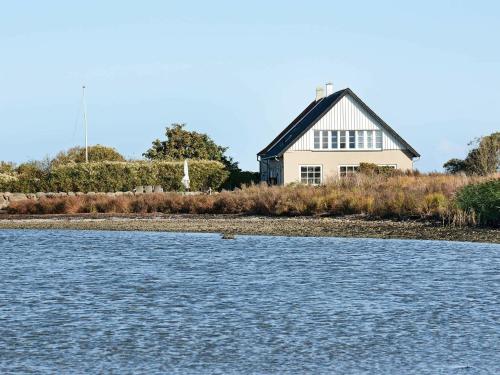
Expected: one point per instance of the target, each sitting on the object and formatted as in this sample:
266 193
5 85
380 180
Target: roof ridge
302 128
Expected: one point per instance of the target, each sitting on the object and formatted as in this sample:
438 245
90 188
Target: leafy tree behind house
485 158
481 160
182 144
6 167
454 166
97 153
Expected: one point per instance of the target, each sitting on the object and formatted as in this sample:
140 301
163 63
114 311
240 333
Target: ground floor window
391 166
310 174
348 170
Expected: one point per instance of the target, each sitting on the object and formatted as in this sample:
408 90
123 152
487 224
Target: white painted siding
345 115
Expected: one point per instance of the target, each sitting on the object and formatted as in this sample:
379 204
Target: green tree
182 144
97 153
454 166
482 160
6 167
485 157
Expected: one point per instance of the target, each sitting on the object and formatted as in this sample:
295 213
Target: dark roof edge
288 127
412 152
384 125
344 92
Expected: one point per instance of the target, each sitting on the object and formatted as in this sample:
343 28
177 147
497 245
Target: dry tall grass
414 196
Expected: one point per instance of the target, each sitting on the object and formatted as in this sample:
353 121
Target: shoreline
302 226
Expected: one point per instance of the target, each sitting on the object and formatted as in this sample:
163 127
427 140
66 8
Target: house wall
272 168
331 160
347 114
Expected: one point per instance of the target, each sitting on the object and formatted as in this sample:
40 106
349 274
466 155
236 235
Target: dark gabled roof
309 116
292 124
312 114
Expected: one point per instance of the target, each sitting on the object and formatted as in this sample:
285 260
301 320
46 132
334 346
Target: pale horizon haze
240 72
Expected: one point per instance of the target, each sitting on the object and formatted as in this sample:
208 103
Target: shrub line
427 197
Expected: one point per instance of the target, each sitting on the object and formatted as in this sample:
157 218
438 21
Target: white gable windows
378 139
335 139
321 140
360 134
342 139
369 139
347 139
317 134
324 139
352 139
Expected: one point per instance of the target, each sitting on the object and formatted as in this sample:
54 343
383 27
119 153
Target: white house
330 138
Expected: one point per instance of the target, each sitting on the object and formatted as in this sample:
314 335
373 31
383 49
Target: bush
239 178
372 169
96 153
115 176
7 180
483 200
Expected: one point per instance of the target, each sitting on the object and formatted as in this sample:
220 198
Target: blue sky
241 72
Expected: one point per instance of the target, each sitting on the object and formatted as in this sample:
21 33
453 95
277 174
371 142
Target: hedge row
117 176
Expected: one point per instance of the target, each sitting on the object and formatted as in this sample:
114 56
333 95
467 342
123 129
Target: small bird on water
227 236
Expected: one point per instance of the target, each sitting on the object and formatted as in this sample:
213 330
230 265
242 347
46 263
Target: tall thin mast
86 126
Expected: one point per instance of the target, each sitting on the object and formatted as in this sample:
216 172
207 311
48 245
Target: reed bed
430 197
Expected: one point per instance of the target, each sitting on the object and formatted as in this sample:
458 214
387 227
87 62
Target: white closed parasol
185 179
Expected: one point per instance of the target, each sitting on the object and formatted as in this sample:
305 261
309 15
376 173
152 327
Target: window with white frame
347 139
361 138
324 139
335 139
317 134
391 166
369 139
352 139
310 174
378 139
348 170
342 139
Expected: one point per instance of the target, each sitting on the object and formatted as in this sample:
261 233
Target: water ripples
133 302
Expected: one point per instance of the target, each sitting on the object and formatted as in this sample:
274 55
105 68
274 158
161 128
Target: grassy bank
428 197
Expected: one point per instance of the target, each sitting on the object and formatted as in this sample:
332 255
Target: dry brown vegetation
377 196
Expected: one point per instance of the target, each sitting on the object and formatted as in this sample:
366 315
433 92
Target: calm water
116 302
